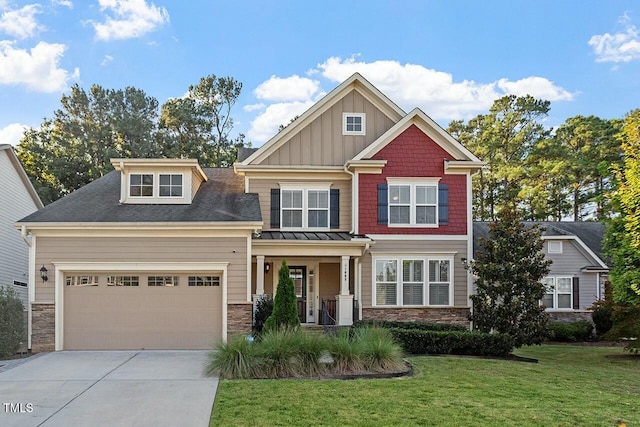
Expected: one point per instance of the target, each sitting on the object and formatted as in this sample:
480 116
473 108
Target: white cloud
294 88
253 107
130 19
409 85
266 124
38 69
21 23
65 3
619 47
12 134
106 60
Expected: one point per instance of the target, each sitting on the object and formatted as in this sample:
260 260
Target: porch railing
328 312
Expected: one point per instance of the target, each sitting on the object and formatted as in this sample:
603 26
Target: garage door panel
102 317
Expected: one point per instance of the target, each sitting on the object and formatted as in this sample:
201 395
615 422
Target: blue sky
451 58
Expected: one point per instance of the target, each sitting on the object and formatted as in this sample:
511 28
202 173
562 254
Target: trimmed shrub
577 331
602 318
285 303
264 308
469 343
422 326
11 322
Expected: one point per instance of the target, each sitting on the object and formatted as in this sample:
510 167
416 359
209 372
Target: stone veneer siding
570 316
239 318
43 327
457 315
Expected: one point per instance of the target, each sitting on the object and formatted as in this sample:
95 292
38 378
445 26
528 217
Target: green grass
570 386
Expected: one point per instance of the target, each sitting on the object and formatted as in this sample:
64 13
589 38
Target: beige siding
321 142
144 249
418 247
263 188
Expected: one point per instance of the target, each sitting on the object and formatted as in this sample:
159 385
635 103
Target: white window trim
399 284
555 293
558 251
153 189
305 206
363 116
158 186
413 183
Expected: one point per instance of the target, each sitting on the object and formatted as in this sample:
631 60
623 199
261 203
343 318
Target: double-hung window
422 281
413 203
304 208
559 292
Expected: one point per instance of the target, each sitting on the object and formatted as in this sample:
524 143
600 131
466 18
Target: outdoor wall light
43 274
267 268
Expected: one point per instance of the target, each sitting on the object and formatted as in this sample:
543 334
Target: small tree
11 322
509 271
285 303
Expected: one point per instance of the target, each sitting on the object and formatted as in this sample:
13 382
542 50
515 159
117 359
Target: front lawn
569 386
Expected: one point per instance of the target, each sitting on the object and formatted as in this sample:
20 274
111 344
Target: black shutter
576 293
275 208
383 213
334 203
443 204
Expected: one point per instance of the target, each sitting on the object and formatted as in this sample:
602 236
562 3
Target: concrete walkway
108 388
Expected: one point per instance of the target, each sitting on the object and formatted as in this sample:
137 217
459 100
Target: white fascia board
177 225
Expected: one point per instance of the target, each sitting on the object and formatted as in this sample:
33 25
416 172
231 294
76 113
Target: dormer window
141 185
353 123
170 185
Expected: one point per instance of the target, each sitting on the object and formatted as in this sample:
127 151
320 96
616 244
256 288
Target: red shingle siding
412 154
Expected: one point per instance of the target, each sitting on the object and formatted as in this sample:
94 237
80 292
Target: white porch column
260 275
344 301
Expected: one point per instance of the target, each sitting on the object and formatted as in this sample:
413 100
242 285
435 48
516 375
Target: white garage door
127 311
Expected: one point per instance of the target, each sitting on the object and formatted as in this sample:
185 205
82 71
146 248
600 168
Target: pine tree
509 270
285 303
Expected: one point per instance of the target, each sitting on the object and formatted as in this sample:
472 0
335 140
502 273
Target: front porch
324 268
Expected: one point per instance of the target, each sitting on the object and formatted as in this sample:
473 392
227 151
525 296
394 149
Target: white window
353 124
123 280
409 287
141 185
82 281
162 281
554 246
204 281
170 185
559 293
413 204
304 208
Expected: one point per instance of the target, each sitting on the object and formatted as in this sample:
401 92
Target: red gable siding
412 154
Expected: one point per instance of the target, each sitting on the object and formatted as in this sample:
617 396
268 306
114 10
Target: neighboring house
578 273
370 207
18 198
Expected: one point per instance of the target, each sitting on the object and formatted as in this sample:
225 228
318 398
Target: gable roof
355 82
587 234
22 174
220 199
427 125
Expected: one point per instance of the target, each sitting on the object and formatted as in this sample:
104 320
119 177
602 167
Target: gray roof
589 232
304 235
221 198
245 152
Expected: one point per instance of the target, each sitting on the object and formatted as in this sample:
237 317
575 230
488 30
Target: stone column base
43 327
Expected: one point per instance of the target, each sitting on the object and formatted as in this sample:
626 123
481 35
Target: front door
299 276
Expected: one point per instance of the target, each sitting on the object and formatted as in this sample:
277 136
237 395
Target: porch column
344 301
260 275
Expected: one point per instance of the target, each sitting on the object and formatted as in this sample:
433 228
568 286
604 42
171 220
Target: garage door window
204 280
82 281
162 280
123 280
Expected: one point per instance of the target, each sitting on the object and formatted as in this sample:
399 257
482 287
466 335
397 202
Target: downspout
23 233
353 199
31 284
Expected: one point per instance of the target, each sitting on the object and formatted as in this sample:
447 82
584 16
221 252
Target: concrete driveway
108 388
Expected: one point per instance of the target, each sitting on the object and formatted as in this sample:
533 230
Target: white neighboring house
18 198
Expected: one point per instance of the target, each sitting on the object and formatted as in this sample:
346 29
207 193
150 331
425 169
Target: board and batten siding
569 263
263 188
15 204
321 142
418 248
144 249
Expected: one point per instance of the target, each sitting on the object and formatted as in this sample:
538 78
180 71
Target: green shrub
577 331
602 317
11 322
422 326
415 341
379 350
626 326
285 304
346 352
264 308
235 358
